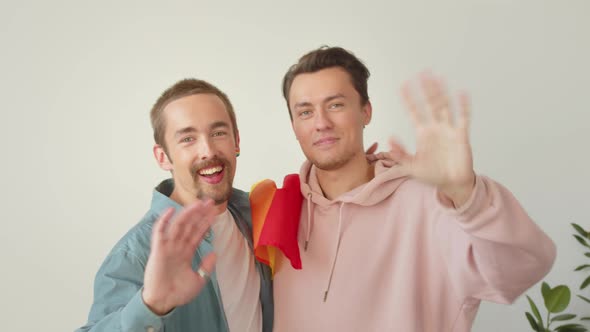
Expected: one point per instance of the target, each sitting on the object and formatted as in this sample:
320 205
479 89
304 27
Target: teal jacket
118 305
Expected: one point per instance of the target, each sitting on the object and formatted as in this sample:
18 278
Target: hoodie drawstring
337 250
338 234
309 217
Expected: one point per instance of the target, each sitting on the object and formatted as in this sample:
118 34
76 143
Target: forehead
198 111
314 87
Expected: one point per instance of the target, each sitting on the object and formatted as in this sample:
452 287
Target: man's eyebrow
327 99
302 104
185 130
219 124
336 96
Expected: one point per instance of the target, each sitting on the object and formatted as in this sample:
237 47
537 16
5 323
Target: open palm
170 280
443 155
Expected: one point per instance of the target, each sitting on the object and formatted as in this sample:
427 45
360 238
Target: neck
336 182
185 200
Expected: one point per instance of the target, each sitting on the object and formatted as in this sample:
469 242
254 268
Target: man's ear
162 158
367 113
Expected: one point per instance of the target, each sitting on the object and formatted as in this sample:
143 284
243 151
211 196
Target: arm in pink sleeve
492 249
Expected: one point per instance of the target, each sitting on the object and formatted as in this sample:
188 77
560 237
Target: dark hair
327 57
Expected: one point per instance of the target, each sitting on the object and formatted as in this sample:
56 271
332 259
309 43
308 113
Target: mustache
208 163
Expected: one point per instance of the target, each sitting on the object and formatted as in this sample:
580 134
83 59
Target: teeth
209 171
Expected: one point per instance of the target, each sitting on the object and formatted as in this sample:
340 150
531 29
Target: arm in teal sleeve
118 305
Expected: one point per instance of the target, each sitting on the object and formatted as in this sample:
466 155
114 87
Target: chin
328 165
218 196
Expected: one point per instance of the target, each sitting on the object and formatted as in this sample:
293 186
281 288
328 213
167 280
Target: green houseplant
557 299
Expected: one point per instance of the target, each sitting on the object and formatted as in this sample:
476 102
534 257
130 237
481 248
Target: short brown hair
184 88
328 57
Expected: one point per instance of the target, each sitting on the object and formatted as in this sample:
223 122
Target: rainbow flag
275 220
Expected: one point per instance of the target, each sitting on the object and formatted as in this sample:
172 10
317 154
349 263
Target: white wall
78 80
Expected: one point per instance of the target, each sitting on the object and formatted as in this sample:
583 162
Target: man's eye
187 139
305 114
337 105
219 133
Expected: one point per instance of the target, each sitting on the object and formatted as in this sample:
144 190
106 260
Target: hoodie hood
388 177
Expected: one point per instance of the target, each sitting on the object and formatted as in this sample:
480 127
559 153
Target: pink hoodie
391 256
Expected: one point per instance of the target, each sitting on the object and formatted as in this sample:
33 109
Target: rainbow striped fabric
275 220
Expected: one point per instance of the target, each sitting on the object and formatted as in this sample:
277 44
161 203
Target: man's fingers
199 232
371 158
370 153
372 148
199 221
411 105
161 225
436 97
181 222
430 92
394 144
207 266
464 116
399 157
397 153
444 106
182 225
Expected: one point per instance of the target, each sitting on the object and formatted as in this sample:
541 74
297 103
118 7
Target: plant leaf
585 283
584 298
535 311
585 318
580 230
571 328
545 289
563 317
581 267
587 254
532 322
558 299
582 241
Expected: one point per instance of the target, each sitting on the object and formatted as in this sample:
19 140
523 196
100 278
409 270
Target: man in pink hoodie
409 245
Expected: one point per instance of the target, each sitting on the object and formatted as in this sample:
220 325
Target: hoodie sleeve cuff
136 316
471 208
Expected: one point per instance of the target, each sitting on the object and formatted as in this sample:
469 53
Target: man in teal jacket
160 276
